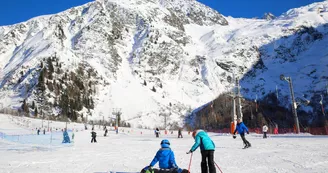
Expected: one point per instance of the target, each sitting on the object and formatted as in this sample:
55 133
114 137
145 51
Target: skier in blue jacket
207 148
166 159
241 128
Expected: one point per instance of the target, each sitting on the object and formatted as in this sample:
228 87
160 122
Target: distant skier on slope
93 135
166 159
157 132
66 137
180 133
265 130
241 128
106 131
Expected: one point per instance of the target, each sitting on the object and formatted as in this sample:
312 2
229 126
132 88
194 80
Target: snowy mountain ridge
154 58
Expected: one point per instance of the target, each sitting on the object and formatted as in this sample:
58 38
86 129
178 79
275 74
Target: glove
234 136
189 152
247 132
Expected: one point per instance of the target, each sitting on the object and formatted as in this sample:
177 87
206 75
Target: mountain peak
268 16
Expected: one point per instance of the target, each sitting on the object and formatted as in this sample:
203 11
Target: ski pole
218 167
189 163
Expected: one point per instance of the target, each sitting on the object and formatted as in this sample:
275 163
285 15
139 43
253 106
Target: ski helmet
165 143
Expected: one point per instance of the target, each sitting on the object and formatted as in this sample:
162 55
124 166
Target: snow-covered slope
155 57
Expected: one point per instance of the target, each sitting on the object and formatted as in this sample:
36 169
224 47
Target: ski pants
93 139
242 135
208 160
264 134
180 136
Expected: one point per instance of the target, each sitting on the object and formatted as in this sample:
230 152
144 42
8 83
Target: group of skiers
157 133
165 156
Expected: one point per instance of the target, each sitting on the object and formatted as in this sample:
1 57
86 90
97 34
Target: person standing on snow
265 130
106 131
207 148
93 135
66 137
166 159
180 133
241 128
157 132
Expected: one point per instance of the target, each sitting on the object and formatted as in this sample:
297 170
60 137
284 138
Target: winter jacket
202 140
265 128
165 157
241 128
93 134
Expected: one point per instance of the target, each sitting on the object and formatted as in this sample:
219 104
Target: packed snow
132 149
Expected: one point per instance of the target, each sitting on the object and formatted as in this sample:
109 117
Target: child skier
207 148
166 159
241 128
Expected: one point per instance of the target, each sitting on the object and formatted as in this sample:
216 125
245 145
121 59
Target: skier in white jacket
265 130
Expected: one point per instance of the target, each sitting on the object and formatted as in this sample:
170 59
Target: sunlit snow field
130 151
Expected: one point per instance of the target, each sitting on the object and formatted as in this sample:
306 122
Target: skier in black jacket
93 135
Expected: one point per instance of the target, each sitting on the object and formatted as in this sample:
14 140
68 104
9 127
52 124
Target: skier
38 132
180 133
66 137
157 132
166 159
265 130
241 128
44 131
93 135
106 131
207 148
73 135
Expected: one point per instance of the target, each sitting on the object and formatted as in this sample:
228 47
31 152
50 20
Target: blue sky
254 8
14 11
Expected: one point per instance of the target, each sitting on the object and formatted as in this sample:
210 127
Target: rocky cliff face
152 58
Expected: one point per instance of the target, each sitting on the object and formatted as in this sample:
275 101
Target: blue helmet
165 143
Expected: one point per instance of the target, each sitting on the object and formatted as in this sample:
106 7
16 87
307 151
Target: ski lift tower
233 96
294 104
238 97
117 113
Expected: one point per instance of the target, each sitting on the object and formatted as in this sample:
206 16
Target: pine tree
33 105
36 112
153 89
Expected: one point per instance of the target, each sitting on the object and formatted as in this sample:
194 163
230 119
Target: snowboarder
93 135
66 137
157 132
38 131
106 131
265 130
180 133
241 128
166 159
207 148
